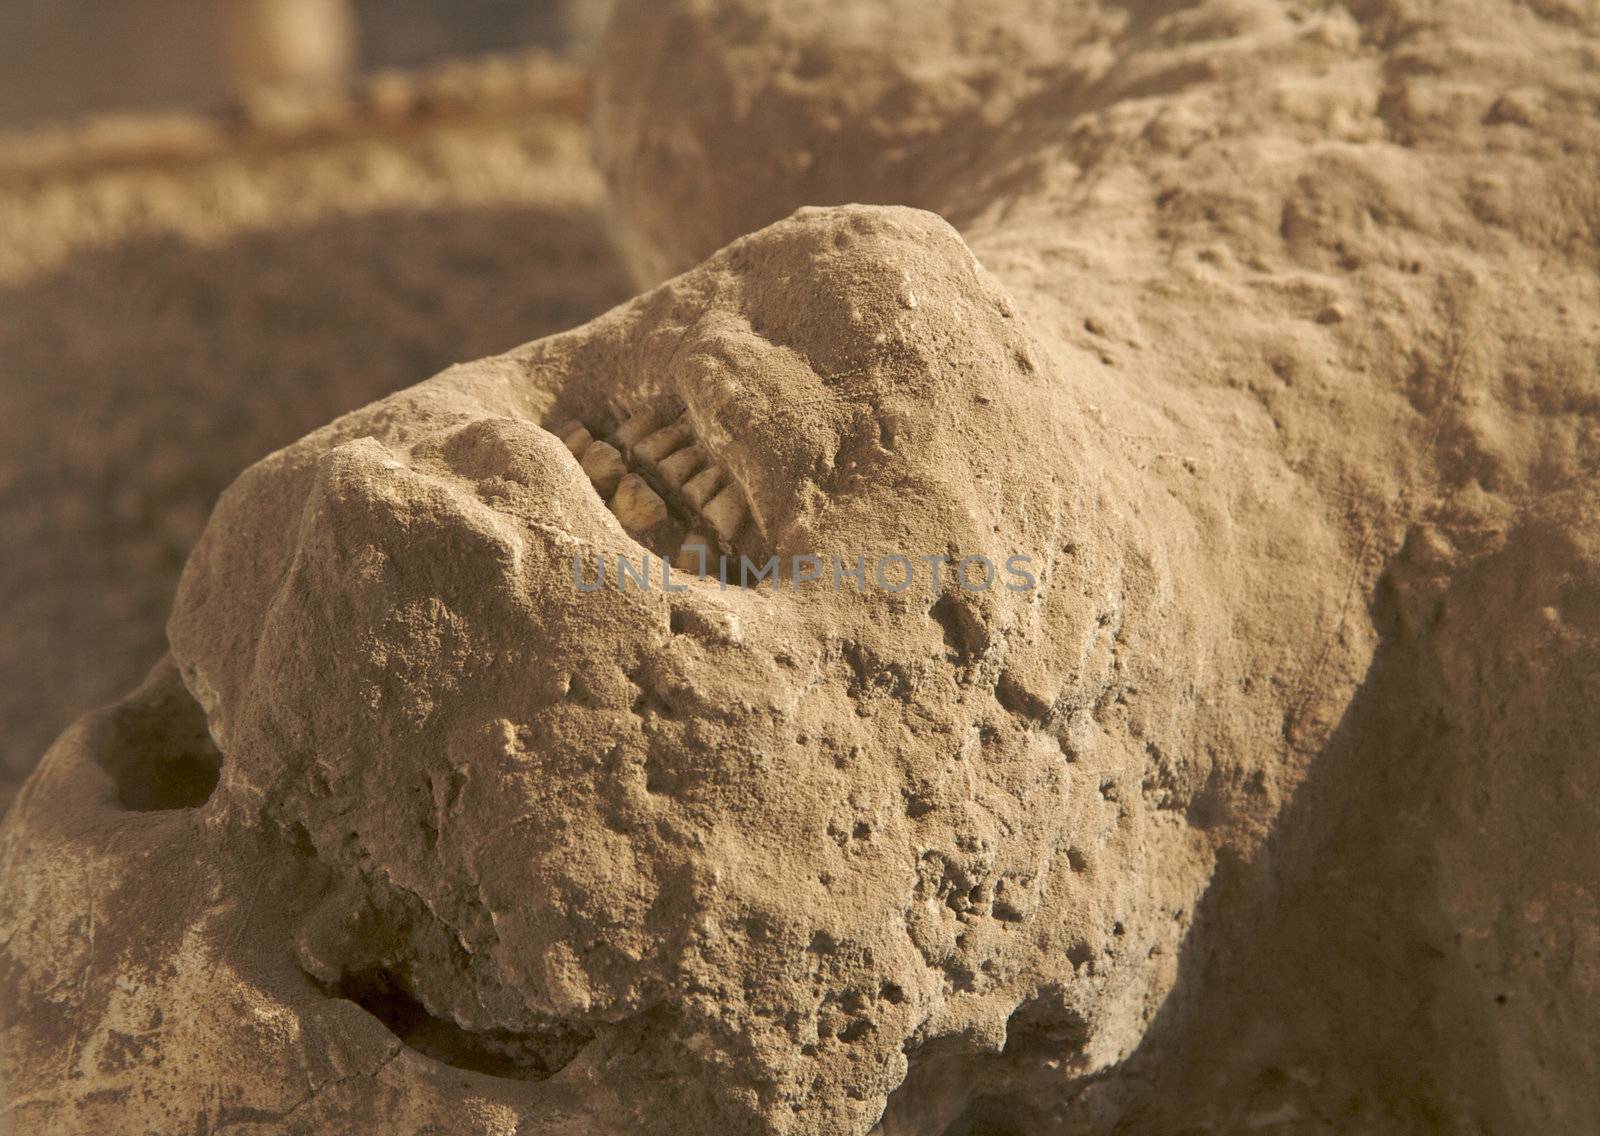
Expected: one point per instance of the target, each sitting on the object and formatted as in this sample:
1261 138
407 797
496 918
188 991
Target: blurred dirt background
61 58
182 291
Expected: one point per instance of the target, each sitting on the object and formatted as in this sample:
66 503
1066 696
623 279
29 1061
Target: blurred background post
279 43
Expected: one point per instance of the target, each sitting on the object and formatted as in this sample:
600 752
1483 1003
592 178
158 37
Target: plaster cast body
491 852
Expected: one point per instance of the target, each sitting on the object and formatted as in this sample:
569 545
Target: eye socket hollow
158 750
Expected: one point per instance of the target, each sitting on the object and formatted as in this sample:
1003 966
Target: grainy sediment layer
1269 333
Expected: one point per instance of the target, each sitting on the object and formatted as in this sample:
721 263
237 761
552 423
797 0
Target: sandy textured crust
1361 238
736 853
1228 326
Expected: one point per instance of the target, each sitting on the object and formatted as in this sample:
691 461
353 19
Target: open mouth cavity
661 482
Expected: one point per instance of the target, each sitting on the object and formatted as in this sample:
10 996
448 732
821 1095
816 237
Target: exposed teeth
638 427
696 555
661 443
605 467
637 506
726 512
576 438
682 465
658 481
703 486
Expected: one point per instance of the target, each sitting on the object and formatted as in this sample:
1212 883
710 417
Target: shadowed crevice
160 752
523 1056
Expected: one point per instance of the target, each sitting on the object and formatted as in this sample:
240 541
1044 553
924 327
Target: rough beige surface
763 841
1273 808
179 297
1360 238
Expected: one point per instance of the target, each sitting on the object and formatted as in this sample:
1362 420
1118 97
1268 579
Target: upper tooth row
680 461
